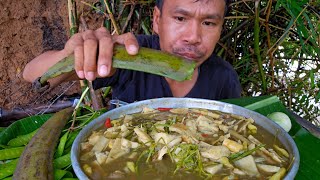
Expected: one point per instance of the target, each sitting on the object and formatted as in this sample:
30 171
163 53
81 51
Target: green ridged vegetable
155 62
10 153
22 140
147 60
8 178
62 161
61 145
8 168
36 161
59 174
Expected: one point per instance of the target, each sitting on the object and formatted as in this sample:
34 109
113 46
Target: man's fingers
90 54
105 56
102 32
105 52
86 64
130 42
75 45
78 61
73 42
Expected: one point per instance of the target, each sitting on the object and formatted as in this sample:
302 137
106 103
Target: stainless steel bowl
261 120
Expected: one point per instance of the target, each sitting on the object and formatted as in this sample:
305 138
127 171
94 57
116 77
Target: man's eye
208 23
179 18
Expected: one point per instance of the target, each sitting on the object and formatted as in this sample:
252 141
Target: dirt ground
28 28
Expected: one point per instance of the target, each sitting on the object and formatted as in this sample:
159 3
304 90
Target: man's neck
181 89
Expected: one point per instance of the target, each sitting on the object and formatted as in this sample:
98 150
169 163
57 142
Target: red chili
163 109
204 135
108 123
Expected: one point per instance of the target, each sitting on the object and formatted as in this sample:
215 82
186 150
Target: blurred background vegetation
272 44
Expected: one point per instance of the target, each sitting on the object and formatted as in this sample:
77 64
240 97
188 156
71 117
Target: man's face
189 28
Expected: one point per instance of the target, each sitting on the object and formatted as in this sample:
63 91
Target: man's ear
156 19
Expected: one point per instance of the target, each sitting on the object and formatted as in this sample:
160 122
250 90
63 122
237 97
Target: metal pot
261 120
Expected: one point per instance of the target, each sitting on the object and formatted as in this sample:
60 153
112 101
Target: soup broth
182 143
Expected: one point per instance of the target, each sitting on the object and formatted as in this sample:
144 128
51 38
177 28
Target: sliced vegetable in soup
183 143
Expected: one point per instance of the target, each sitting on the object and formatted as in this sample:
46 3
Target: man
187 28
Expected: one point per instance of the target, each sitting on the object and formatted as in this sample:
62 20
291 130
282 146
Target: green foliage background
272 44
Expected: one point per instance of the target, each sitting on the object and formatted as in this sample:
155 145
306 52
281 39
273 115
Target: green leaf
262 103
318 97
23 126
313 36
313 85
308 146
2 129
278 5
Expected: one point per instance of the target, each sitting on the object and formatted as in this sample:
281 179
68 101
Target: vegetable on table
163 109
281 119
8 168
62 143
59 174
62 162
22 140
36 160
10 153
108 123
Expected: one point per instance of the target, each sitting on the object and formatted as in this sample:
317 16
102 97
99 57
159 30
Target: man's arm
85 47
39 65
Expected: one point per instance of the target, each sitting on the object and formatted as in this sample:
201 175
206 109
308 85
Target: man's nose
192 34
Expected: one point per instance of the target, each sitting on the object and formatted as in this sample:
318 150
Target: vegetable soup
183 143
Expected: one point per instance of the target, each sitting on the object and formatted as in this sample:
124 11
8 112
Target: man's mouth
190 56
189 52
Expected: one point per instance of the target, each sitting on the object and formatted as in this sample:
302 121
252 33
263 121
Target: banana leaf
23 126
308 145
2 129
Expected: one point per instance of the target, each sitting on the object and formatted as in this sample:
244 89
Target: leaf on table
22 126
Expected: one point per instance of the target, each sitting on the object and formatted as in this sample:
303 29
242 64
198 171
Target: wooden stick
96 99
112 18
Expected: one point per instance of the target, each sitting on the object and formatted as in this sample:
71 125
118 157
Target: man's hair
159 4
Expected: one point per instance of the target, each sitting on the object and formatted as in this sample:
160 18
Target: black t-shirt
217 80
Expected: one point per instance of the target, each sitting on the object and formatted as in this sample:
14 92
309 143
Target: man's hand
89 45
